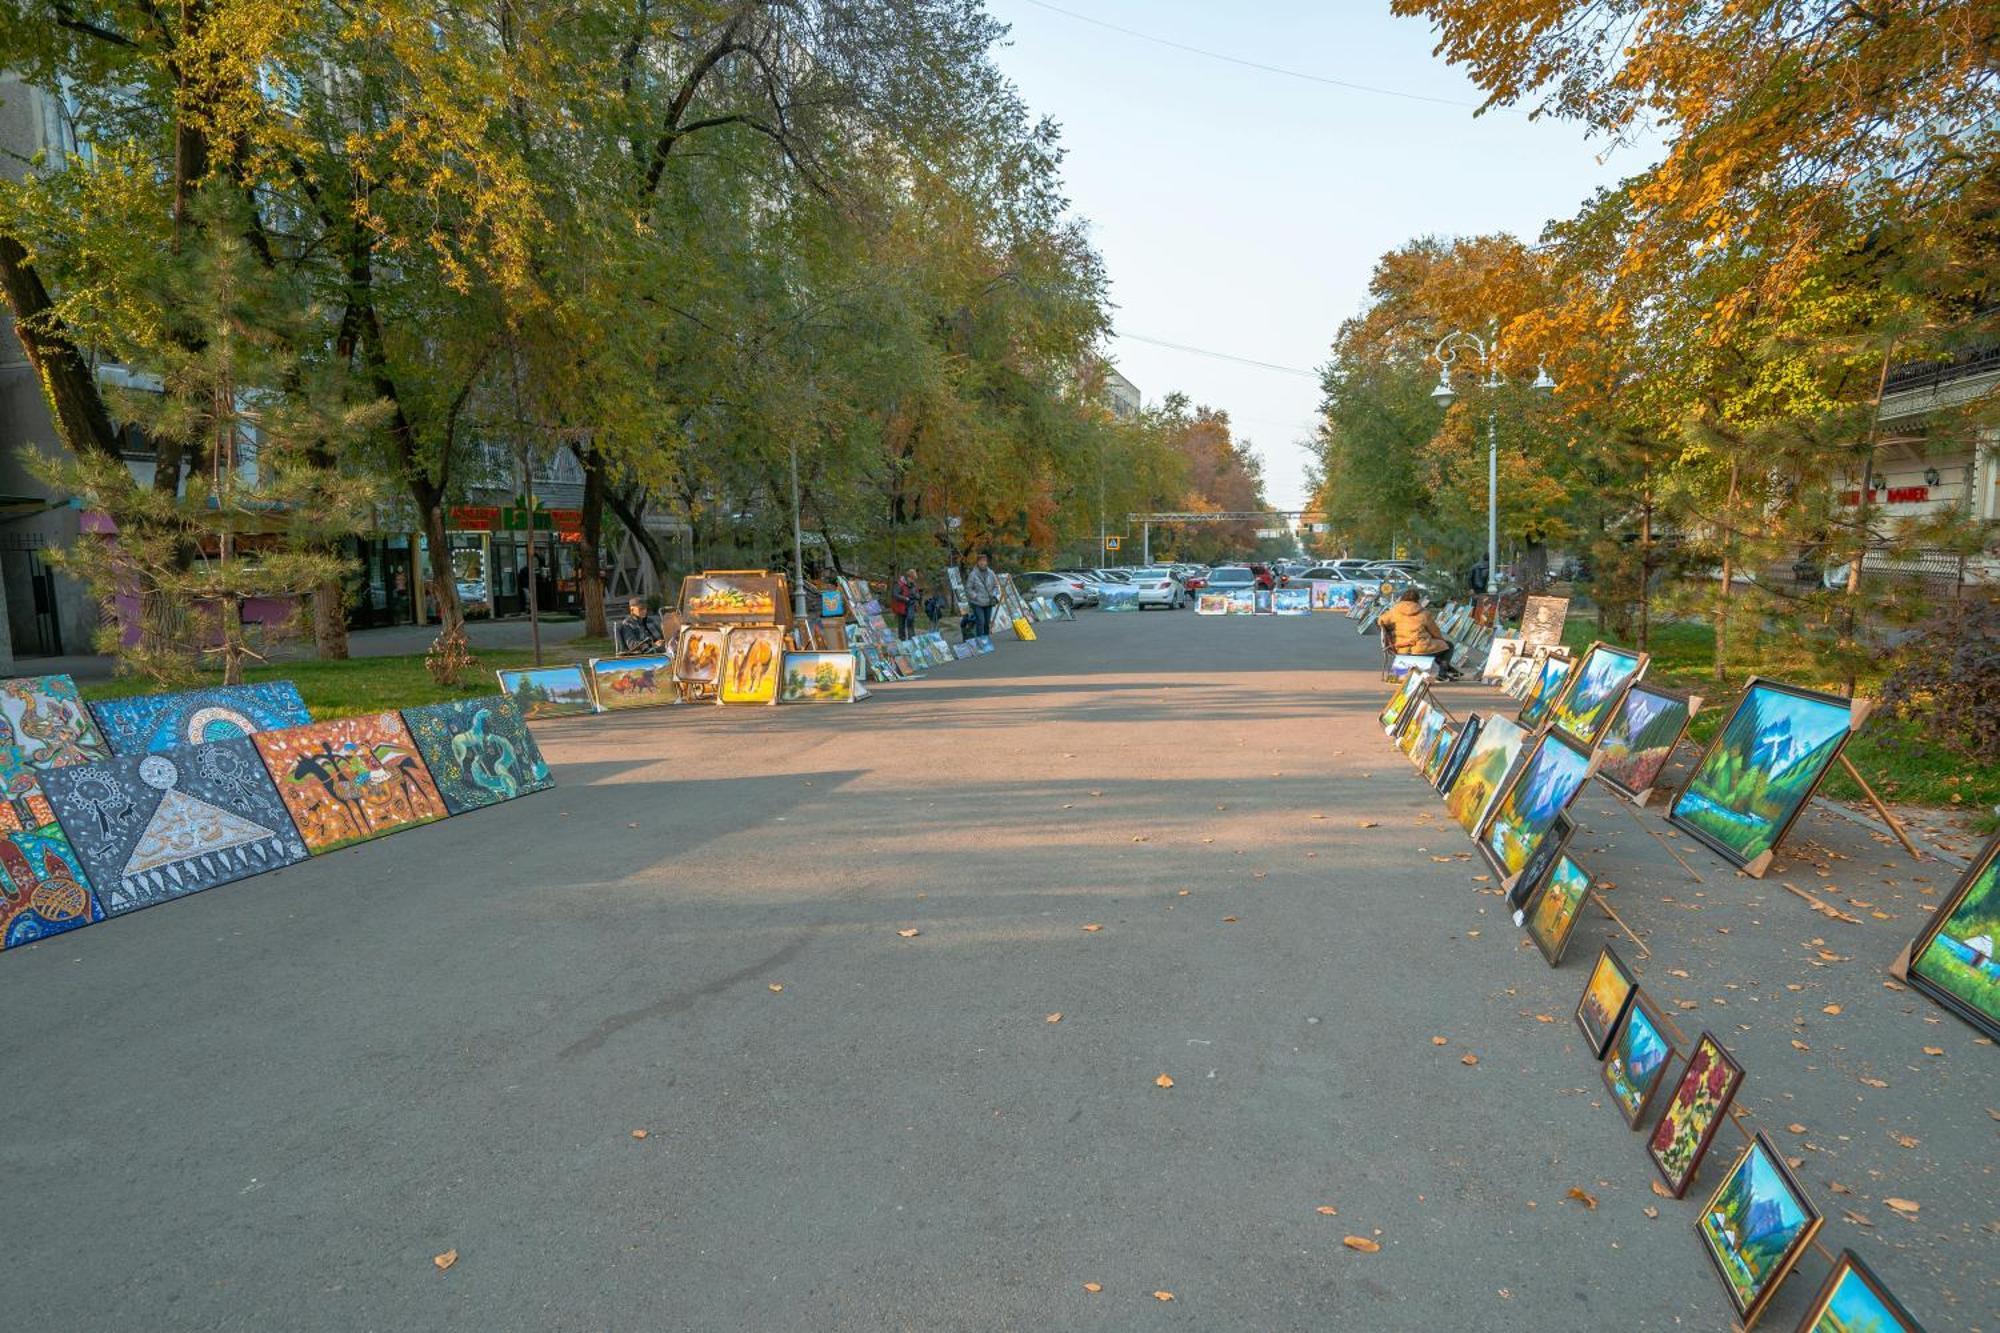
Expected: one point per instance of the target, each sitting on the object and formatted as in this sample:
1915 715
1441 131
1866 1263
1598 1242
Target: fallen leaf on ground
1053 1018
445 1260
1094 927
1369 823
1907 1207
1325 1210
1829 1009
1856 1218
1795 1128
1468 1059
1933 1050
1227 920
1440 1041
1798 1045
1875 1082
1545 1018
639 1133
1163 1082
775 988
1650 1211
1182 894
1163 1295
1093 1287
1361 1243
910 934
1584 1197
1906 1140
1662 1190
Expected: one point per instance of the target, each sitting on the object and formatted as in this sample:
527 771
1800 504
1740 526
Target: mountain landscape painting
1552 777
1754 1226
1594 691
1641 738
1953 960
1762 768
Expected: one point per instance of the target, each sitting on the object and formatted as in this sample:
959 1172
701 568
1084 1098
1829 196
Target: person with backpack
904 598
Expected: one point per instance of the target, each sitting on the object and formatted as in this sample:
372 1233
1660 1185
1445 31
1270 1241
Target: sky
1241 211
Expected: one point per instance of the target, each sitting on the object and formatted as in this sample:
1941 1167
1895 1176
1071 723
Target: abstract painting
699 660
1853 1300
350 780
750 662
1542 621
1761 769
1755 1226
1693 1113
633 682
1605 997
538 692
1642 736
1637 1061
1292 601
1431 761
152 723
822 677
44 725
733 597
1547 782
154 827
1549 680
1454 758
1553 913
479 751
1552 845
44 890
1399 702
1211 603
1952 961
1484 771
1594 690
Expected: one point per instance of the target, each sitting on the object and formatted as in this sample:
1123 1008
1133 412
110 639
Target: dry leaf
1584 1197
1227 920
639 1133
1369 823
1182 894
1875 1082
1468 1059
910 934
1326 1210
1906 1140
1093 1287
1163 1295
1662 1190
1053 1018
445 1260
1163 1082
1798 1045
1472 934
1545 1018
1855 1218
1795 1128
1650 1211
1439 1041
1361 1243
1933 1050
1838 1188
775 988
1907 1207
1829 1009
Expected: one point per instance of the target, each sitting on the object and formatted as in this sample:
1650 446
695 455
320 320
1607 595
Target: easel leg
1619 921
1895 824
1661 839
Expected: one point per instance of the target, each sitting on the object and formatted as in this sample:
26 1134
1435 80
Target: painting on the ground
1333 595
1549 681
1499 657
44 889
151 723
633 682
1605 997
350 780
1399 702
1637 1061
1432 759
1755 1225
1211 603
1641 737
1542 621
44 725
1952 961
1527 810
1853 1300
1415 720
154 827
1700 1101
1454 759
1593 692
750 661
1539 866
1261 602
699 660
1492 757
1520 676
1242 601
479 751
1553 914
1761 769
562 691
732 597
820 677
1292 601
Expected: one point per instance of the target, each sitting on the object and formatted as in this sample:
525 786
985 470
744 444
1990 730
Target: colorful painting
1415 718
1550 779
1430 760
1761 769
1853 1300
44 725
1641 737
1399 702
1549 680
832 605
1292 601
1755 1226
1552 913
633 682
350 780
479 751
1261 603
154 827
1699 1103
817 678
733 597
44 889
1952 961
750 662
153 723
699 660
1454 759
539 692
1403 664
1552 845
1241 601
1637 1061
1605 997
1594 691
1542 621
1211 603
1484 771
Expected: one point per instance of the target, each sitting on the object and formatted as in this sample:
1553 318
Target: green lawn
1896 755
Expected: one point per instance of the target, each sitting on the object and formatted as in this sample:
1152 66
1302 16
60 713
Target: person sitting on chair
638 632
1414 632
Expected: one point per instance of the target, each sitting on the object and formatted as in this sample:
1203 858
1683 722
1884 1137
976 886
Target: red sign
1909 495
475 518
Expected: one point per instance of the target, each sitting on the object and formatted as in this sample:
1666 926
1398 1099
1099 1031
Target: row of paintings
742 664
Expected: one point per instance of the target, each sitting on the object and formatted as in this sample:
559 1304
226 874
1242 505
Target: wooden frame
1391 716
1493 726
1641 1007
1576 676
785 694
1849 1264
762 584
1553 950
1749 1313
1985 866
1537 744
1468 736
1544 692
1431 764
1693 1071
769 636
1607 958
1691 703
1541 862
1755 866
1410 726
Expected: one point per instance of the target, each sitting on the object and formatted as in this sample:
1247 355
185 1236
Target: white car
1157 587
1072 589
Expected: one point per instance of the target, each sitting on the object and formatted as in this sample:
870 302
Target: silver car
1158 586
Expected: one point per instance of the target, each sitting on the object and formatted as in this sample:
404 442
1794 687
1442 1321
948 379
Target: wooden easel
1619 921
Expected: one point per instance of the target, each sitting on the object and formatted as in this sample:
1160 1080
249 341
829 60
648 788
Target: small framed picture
1605 998
1755 1226
1693 1113
1552 914
1636 1064
1855 1299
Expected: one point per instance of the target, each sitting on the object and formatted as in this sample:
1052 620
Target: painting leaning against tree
1693 1113
350 779
1952 962
479 751
1761 769
1754 1227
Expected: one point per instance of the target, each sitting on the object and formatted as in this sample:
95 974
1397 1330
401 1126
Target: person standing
903 600
1414 632
982 590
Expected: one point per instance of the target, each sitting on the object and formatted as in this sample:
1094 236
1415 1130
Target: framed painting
1594 691
1454 759
1399 702
1371 610
1405 664
832 604
751 658
1431 760
1636 1064
1700 1101
350 780
1952 961
1552 845
153 827
1542 621
734 597
1605 998
539 692
698 661
1483 772
1499 656
1762 768
1211 603
1292 601
1520 676
44 889
1261 603
1542 788
1421 729
1853 1300
1552 914
153 723
816 678
1320 594
1641 737
44 725
479 751
1755 1226
633 682
1550 677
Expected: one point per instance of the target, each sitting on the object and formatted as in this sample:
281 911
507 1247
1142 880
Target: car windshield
1231 574
1152 573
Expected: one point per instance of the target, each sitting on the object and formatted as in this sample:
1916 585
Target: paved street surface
269 1106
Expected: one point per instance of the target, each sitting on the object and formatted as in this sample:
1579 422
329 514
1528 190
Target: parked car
1158 587
1113 575
1389 569
1193 577
1067 591
1230 578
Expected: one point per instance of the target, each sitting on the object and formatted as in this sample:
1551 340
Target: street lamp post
1449 349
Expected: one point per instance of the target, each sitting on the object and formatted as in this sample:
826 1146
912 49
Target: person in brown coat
1414 632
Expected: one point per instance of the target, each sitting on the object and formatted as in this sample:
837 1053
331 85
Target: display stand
1617 920
1895 824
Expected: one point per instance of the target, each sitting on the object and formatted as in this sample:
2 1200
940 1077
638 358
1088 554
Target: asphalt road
269 1106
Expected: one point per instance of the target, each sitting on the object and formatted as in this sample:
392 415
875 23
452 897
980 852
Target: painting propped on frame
350 779
1755 1226
1541 789
1594 691
1642 737
1952 962
1694 1112
155 723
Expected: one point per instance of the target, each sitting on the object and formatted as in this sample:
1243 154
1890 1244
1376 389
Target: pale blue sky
1241 211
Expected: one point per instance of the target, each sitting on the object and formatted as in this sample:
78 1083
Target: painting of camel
350 780
751 657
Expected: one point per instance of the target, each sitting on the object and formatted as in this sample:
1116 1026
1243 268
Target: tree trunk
590 569
1722 595
329 620
444 583
81 419
630 509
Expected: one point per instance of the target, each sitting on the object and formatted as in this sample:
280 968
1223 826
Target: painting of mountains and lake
1761 769
1755 1225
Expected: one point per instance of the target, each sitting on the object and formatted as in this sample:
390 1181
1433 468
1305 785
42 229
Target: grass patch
1897 755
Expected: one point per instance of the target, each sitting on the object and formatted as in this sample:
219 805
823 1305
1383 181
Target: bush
1949 679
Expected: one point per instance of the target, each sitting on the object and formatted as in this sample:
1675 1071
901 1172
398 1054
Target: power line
1219 356
1253 64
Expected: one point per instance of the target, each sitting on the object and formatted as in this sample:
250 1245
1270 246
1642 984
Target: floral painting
1699 1103
732 597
